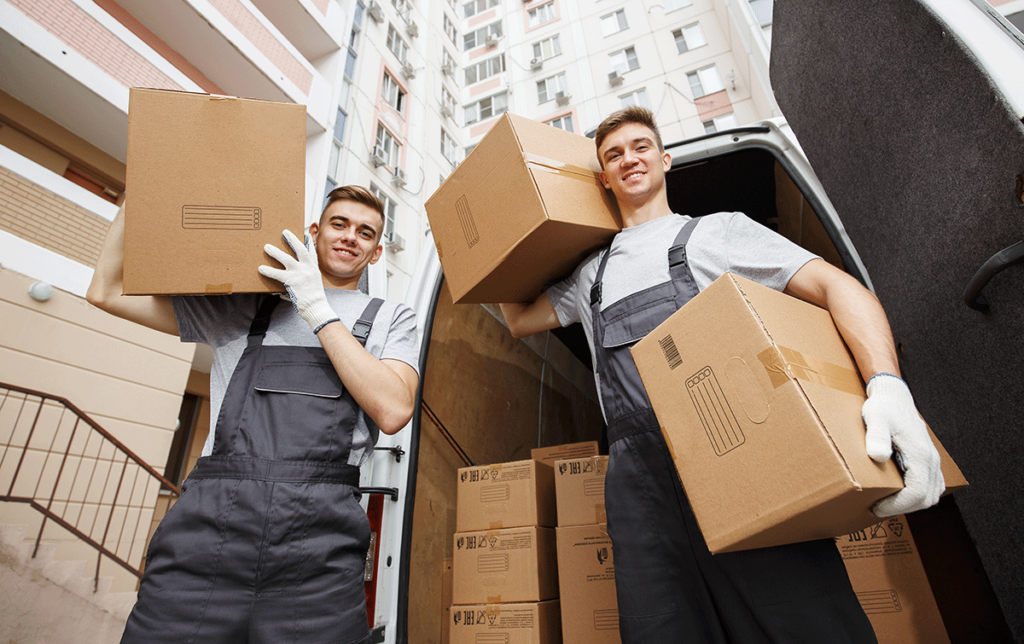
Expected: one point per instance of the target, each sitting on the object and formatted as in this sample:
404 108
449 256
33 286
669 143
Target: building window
401 5
477 38
705 81
449 28
360 12
638 97
478 6
719 123
562 123
350 63
393 94
613 23
624 60
542 14
389 211
448 147
485 108
339 126
485 69
447 62
397 45
689 38
447 100
672 5
387 146
549 87
547 48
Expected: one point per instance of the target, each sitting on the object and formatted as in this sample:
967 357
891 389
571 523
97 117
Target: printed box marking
221 218
719 421
496 562
880 601
467 221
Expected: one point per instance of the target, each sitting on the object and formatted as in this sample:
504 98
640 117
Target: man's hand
301 277
892 421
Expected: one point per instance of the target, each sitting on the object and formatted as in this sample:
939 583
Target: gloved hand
301 277
893 421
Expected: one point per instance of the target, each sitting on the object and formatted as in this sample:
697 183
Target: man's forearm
385 390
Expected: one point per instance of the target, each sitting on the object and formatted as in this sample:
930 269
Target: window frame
625 51
543 97
389 142
621 23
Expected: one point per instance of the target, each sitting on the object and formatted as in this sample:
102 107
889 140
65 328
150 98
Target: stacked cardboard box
887 574
505 582
586 564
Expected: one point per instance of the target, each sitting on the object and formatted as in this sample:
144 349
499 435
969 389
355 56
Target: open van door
910 114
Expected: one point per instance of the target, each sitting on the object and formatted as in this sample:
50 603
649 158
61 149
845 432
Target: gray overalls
267 542
670 588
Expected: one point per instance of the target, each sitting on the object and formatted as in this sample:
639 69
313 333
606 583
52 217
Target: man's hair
631 114
358 194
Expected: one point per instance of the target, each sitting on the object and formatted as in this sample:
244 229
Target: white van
910 113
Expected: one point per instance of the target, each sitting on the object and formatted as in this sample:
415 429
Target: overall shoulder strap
677 252
361 329
264 309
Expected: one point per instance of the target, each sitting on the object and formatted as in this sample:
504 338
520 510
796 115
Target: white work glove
893 422
301 277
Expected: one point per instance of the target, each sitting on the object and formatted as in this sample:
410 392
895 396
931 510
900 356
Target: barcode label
668 347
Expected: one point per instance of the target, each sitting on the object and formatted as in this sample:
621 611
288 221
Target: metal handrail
85 480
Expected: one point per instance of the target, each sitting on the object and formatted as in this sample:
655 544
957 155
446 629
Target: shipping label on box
505 495
887 574
586 581
579 490
527 623
760 404
561 452
524 208
211 180
501 566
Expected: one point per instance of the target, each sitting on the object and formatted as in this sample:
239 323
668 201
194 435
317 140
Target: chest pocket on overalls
630 319
300 406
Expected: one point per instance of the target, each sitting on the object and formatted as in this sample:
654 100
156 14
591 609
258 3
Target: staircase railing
59 461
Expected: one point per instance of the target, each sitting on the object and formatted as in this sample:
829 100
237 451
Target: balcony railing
59 461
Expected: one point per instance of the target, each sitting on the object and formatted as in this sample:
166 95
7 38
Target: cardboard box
760 404
502 566
560 452
529 623
211 180
586 580
579 490
889 579
505 495
522 210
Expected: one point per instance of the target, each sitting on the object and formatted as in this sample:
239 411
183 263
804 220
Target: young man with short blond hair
268 541
669 587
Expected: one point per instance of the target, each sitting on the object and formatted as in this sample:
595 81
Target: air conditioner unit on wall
395 242
536 63
615 77
399 178
448 68
562 98
375 11
491 40
378 158
408 71
446 111
412 29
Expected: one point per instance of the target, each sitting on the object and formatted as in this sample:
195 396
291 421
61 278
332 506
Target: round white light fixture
40 291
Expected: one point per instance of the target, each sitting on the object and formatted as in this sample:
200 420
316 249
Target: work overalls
670 588
267 543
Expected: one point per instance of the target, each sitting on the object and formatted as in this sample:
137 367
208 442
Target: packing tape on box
557 167
493 600
600 516
219 289
496 525
494 608
784 364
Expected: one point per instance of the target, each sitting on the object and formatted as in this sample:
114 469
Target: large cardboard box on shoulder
504 566
505 495
523 209
888 576
526 623
586 580
211 180
760 404
579 490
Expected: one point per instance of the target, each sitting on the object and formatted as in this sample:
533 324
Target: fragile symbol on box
715 414
221 218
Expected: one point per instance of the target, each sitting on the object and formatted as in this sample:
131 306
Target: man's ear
313 230
376 254
667 159
604 180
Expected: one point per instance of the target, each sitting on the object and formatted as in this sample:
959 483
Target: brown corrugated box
889 579
523 209
527 623
586 579
211 180
579 490
505 495
760 404
560 452
503 566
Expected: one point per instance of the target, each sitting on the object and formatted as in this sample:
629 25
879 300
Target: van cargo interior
489 398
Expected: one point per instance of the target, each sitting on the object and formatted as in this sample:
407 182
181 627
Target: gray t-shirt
722 242
222 322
